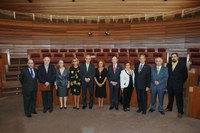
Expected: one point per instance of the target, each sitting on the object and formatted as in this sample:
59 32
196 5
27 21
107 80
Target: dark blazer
46 77
114 76
87 74
178 76
28 83
161 77
142 79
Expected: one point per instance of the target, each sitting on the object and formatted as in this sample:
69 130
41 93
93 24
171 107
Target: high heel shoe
74 107
61 107
65 107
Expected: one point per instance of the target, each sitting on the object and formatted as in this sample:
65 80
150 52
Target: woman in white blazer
127 83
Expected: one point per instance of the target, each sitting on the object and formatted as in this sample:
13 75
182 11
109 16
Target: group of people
80 78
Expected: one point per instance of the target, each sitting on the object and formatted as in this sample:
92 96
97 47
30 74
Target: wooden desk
70 100
194 102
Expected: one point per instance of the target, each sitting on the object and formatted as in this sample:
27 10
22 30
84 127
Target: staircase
12 85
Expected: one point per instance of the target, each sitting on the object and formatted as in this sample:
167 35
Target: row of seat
96 55
97 50
191 50
107 62
194 57
124 55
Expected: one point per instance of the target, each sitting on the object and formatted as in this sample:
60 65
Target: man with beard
178 74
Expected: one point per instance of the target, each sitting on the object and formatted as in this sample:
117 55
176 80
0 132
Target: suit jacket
161 77
28 83
178 76
62 79
114 76
43 76
142 79
87 74
125 79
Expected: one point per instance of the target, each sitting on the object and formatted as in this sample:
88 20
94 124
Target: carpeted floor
12 120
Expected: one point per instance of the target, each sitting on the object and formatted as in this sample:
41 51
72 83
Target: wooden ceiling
97 7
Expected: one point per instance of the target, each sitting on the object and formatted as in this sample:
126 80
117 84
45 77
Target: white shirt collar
159 67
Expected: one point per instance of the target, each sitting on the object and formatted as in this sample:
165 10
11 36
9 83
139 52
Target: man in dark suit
142 83
28 79
178 74
87 73
114 71
159 76
46 76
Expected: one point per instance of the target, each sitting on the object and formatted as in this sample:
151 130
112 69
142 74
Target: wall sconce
107 33
90 33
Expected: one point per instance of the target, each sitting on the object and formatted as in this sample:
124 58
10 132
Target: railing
82 19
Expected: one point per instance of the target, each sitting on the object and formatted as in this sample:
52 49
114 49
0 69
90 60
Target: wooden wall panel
184 33
97 7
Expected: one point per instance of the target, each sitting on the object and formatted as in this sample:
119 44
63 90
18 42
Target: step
12 78
11 84
15 92
12 73
18 60
16 67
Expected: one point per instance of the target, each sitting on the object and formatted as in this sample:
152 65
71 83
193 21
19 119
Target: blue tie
31 72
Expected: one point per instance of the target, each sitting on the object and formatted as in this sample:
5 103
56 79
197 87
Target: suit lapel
112 68
142 68
28 72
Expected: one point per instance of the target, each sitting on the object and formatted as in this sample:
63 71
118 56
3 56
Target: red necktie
114 68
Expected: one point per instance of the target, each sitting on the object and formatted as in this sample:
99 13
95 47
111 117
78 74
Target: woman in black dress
100 79
75 82
62 83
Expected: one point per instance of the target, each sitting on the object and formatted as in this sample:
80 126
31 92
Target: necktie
31 72
140 68
158 70
114 68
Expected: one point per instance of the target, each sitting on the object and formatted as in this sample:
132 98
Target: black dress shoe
180 115
28 116
151 110
44 110
168 110
74 107
61 107
77 108
144 112
125 110
139 110
84 107
65 107
51 110
110 108
34 112
162 112
90 107
116 108
128 109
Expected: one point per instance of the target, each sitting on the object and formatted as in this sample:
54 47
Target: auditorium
99 66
